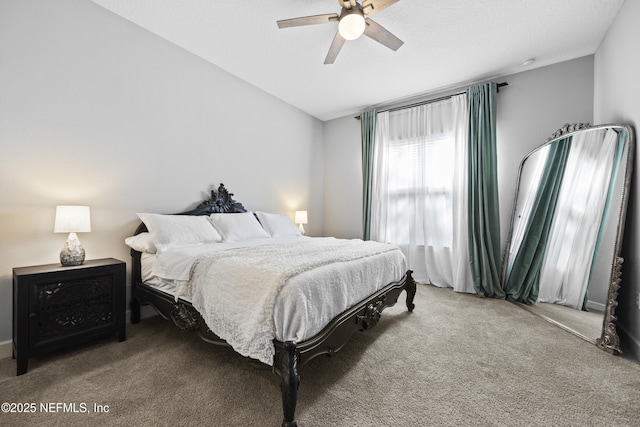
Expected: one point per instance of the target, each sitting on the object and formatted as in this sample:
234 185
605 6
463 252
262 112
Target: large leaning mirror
562 258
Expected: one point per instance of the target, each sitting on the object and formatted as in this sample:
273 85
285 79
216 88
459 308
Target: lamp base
301 228
72 253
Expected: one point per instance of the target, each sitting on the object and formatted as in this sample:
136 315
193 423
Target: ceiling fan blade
381 35
336 45
308 20
371 7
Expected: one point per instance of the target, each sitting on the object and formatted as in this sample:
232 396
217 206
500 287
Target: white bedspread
287 289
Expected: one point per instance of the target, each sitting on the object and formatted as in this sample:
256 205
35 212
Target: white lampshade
352 26
300 217
72 219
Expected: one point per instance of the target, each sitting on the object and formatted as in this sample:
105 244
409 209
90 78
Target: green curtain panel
484 219
368 132
522 285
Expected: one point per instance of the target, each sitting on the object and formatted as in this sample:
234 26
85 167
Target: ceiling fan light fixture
353 22
351 25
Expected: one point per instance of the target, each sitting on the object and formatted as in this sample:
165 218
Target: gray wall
343 178
617 100
534 105
95 110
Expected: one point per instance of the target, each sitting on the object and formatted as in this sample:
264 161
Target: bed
250 280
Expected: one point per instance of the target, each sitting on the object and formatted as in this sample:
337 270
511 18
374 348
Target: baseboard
630 344
6 349
595 306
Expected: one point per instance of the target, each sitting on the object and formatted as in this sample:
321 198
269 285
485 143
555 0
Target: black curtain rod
442 98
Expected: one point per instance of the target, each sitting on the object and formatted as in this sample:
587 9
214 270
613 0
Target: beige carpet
458 360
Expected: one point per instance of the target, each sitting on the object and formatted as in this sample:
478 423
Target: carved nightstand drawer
56 307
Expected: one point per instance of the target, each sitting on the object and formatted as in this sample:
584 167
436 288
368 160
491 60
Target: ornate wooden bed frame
289 355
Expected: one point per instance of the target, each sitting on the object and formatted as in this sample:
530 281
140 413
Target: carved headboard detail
220 202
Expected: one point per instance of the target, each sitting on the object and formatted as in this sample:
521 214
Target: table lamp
72 220
300 218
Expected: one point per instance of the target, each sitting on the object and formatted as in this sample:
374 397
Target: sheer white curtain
564 274
419 197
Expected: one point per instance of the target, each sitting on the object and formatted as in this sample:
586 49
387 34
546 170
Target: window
420 184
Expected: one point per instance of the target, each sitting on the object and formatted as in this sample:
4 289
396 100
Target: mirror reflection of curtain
565 271
522 284
620 150
529 181
419 198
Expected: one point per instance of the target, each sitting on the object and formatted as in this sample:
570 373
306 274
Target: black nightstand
56 307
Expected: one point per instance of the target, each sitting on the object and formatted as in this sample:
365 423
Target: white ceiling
447 43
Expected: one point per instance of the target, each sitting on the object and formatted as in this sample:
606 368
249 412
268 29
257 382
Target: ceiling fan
353 21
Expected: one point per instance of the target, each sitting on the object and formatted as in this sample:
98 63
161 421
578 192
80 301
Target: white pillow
235 227
278 225
171 231
142 243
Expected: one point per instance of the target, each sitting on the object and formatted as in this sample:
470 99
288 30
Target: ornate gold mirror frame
608 339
